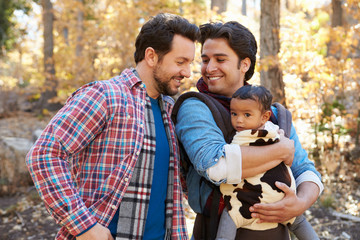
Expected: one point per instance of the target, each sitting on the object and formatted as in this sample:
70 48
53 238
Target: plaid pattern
170 187
135 203
82 162
137 197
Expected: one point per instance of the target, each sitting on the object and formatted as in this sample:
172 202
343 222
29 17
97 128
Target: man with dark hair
203 127
106 166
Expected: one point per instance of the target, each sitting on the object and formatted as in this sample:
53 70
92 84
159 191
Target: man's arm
70 131
208 151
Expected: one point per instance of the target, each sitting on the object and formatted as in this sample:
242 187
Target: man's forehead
182 48
216 47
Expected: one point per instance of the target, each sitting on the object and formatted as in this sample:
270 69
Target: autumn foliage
94 40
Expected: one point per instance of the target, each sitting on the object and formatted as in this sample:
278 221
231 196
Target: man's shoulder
189 101
127 78
168 100
194 96
191 98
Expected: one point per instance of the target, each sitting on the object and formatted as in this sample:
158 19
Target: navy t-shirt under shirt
155 221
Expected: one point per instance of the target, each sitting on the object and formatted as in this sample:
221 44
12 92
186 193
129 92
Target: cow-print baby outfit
260 188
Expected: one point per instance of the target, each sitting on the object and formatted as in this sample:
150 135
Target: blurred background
309 57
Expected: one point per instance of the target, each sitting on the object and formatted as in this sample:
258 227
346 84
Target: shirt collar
132 78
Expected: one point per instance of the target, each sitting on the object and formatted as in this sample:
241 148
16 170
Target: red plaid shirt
82 162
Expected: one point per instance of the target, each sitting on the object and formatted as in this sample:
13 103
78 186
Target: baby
250 109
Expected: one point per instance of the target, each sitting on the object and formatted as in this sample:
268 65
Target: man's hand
97 232
286 146
290 206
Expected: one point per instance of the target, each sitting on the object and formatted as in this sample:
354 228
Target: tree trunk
243 8
271 74
220 5
181 10
80 61
334 47
49 66
357 142
337 13
79 28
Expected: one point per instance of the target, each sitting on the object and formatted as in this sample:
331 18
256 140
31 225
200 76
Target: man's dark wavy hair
240 39
159 32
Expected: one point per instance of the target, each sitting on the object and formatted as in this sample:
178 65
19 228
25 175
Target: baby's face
246 114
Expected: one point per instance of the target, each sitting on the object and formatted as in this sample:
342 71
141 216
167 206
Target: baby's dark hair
256 93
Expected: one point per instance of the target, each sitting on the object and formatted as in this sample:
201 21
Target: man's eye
233 114
205 61
221 60
247 115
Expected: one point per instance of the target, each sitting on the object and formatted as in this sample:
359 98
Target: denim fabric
204 144
301 161
302 229
227 228
199 134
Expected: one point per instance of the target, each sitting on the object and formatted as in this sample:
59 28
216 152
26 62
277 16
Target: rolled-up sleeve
203 141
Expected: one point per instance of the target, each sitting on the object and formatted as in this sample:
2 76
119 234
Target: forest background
309 57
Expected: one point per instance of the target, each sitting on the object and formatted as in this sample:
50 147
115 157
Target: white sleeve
309 176
228 167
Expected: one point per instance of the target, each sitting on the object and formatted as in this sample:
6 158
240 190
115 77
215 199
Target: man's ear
245 65
265 117
151 58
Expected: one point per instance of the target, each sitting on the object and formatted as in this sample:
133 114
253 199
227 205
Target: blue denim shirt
204 144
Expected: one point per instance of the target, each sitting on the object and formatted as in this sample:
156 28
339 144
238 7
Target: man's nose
211 67
186 72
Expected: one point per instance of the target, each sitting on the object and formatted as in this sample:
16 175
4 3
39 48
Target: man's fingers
265 218
269 215
267 209
285 188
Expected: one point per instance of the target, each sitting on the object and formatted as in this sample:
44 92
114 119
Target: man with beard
106 165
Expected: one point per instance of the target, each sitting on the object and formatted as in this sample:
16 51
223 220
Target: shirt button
128 116
126 179
216 159
141 125
137 153
113 207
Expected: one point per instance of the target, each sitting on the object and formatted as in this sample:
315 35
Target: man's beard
162 82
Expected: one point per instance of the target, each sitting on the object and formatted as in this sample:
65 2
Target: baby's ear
265 116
